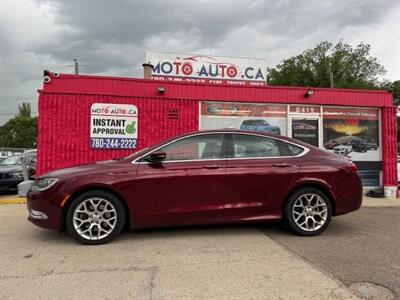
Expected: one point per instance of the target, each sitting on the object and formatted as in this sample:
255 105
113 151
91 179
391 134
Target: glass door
305 129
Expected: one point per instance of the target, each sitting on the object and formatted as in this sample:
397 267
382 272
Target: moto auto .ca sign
207 69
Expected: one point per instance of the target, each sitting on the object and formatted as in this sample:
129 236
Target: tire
299 210
95 217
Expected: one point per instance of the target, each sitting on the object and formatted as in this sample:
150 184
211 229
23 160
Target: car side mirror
157 156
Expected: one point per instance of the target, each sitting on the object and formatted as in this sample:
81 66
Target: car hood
98 168
11 168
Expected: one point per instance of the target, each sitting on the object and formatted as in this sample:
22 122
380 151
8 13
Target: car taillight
352 167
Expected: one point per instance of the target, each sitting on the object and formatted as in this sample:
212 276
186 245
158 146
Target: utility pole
76 65
330 73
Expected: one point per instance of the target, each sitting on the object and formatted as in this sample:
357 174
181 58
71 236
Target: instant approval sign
113 126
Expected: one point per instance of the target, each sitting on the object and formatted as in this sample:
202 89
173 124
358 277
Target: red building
74 128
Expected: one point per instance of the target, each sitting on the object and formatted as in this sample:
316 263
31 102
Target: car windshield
11 160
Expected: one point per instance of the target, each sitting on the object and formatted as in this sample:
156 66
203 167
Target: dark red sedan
202 177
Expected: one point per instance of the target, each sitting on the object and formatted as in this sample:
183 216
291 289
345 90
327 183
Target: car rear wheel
95 217
308 211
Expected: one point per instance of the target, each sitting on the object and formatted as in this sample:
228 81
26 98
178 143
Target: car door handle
209 167
281 165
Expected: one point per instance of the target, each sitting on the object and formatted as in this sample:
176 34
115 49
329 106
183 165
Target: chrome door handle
282 165
212 167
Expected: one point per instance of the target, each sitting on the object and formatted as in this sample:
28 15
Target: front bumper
9 184
42 211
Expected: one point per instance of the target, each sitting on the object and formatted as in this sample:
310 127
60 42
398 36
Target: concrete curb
17 200
380 202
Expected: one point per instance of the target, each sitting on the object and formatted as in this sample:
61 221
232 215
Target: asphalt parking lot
259 261
360 247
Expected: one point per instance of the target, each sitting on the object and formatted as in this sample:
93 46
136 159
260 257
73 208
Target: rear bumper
350 197
42 212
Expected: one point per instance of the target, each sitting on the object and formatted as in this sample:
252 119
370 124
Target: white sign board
197 68
113 126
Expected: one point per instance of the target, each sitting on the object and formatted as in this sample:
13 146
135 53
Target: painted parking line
17 200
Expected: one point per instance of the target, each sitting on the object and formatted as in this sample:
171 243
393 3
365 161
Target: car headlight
44 183
18 175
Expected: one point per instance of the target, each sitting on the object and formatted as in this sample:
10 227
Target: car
371 144
11 173
216 176
259 125
359 146
343 149
331 144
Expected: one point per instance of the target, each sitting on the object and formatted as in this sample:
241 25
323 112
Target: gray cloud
110 37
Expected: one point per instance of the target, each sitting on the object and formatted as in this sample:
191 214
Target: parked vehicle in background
358 146
331 144
343 149
216 176
11 173
371 144
259 125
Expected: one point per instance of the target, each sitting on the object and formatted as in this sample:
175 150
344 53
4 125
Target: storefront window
269 118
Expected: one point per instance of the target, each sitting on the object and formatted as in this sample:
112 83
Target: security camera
46 79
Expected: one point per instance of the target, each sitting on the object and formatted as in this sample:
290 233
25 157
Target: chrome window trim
306 150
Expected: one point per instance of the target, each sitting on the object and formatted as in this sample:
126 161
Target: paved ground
362 246
220 262
215 262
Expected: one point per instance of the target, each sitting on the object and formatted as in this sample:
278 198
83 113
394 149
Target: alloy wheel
95 218
310 212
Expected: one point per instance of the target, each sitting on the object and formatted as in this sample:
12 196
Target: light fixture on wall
161 89
309 93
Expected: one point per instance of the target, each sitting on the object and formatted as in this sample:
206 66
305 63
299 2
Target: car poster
352 132
268 118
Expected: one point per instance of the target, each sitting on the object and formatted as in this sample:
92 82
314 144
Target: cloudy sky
110 37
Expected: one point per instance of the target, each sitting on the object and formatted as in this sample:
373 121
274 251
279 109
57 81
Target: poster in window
306 130
352 132
269 118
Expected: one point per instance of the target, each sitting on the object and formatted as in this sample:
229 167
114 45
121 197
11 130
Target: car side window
206 146
294 150
254 146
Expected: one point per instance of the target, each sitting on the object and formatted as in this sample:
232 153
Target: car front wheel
95 217
308 211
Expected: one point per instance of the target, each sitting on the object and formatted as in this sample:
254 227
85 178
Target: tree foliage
19 132
24 110
352 67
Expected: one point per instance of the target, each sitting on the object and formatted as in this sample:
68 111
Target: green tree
19 132
24 110
351 67
394 87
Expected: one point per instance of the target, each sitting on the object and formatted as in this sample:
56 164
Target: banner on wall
250 116
195 68
353 132
113 126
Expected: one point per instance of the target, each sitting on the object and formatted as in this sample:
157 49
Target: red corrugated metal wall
64 113
64 126
389 149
